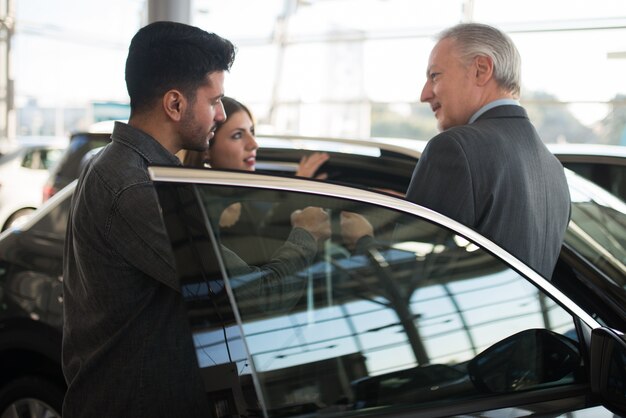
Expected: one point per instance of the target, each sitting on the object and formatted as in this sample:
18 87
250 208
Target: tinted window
395 323
610 177
597 229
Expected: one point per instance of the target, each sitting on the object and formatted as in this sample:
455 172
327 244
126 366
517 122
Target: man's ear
174 103
483 66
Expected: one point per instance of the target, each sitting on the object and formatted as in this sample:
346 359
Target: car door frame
585 323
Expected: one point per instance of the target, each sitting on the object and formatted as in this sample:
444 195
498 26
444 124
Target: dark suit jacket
497 177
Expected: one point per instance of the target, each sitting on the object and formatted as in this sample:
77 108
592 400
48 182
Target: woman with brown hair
233 147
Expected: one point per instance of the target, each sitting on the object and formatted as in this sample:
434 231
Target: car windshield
597 229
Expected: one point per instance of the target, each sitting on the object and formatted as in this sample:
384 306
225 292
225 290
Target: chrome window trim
263 181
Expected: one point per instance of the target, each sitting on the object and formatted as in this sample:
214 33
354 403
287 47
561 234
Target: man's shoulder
469 142
455 137
119 168
490 127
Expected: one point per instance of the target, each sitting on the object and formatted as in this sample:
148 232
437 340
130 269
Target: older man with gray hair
488 168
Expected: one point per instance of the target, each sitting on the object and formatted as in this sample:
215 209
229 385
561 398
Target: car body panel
23 172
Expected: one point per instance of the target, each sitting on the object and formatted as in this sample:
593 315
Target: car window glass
217 337
40 158
408 319
597 229
611 177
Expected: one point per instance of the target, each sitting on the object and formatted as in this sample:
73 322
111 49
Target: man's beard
193 136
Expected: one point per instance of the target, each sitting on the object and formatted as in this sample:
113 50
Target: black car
605 165
68 167
435 320
385 164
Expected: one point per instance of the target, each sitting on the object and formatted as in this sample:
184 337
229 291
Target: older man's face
450 87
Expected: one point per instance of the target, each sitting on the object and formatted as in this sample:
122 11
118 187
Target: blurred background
342 68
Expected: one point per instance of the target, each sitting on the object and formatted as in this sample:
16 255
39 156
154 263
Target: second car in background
23 171
72 159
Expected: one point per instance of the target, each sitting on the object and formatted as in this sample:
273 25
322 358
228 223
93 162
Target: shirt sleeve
278 284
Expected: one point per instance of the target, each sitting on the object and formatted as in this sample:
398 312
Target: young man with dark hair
127 346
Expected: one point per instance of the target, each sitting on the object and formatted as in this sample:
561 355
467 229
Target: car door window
611 177
408 319
597 231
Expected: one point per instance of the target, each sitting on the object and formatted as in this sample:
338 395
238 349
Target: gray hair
474 39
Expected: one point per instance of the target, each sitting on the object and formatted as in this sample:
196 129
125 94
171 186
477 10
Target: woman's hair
194 159
231 106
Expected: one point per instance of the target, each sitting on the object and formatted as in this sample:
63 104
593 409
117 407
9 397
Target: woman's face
234 145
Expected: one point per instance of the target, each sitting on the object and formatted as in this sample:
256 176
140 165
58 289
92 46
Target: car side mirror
531 358
608 368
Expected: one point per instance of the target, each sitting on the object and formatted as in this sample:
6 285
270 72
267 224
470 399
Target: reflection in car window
400 322
598 228
611 177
